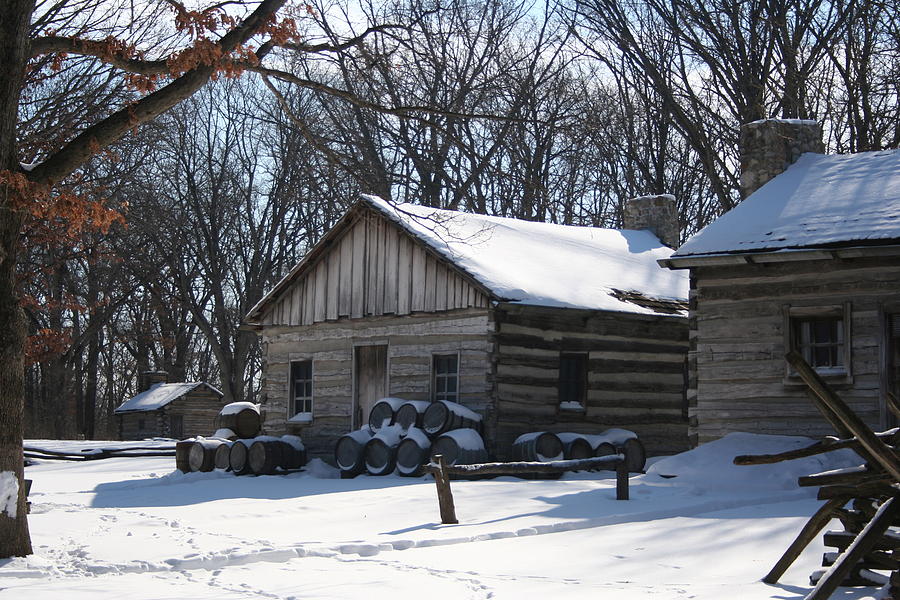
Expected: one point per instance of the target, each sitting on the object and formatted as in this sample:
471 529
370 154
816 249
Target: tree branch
97 49
102 134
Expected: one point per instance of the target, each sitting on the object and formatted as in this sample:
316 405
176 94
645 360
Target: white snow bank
9 493
234 408
709 468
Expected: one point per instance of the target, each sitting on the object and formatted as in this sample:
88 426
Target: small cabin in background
172 410
536 326
809 261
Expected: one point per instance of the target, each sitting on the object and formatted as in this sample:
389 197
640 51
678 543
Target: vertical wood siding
373 269
741 382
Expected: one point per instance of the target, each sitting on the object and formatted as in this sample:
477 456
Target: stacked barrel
237 446
402 435
545 446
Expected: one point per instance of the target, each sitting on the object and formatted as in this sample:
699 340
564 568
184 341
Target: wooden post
830 402
809 532
861 546
621 480
445 496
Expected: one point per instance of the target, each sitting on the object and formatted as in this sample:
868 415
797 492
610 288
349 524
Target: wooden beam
445 495
861 546
828 401
518 468
827 444
809 532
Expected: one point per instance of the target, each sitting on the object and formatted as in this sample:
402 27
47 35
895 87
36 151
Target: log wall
411 341
372 269
636 374
739 342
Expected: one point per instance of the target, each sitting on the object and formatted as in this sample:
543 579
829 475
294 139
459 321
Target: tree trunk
15 20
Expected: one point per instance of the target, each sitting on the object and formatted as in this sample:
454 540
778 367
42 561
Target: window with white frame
821 334
445 377
301 403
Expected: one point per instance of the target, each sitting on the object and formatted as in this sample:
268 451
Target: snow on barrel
240 417
413 452
410 414
381 451
539 446
382 413
202 456
621 441
443 416
460 447
350 452
575 446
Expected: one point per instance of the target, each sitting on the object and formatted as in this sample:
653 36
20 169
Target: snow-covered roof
545 264
160 395
820 201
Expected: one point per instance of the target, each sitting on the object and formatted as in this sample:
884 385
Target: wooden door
370 381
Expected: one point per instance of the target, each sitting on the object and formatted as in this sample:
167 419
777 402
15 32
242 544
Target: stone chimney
770 146
150 378
658 213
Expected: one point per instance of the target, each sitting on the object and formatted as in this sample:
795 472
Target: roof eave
779 255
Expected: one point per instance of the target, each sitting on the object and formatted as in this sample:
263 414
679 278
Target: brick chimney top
657 213
150 378
770 146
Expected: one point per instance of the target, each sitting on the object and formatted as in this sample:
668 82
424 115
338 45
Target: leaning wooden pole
445 495
861 546
809 532
828 401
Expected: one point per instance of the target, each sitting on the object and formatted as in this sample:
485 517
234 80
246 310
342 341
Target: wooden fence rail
442 472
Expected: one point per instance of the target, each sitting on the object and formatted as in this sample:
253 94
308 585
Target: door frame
888 311
356 420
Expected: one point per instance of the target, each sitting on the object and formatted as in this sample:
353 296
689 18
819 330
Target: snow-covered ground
134 528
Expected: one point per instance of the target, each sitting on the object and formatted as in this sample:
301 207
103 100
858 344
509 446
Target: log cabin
170 410
809 261
536 326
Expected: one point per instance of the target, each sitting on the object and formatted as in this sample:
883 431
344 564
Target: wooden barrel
350 452
635 455
237 457
443 416
382 414
202 456
295 452
460 447
240 417
540 446
575 446
381 451
605 449
265 456
222 461
182 453
410 414
413 452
